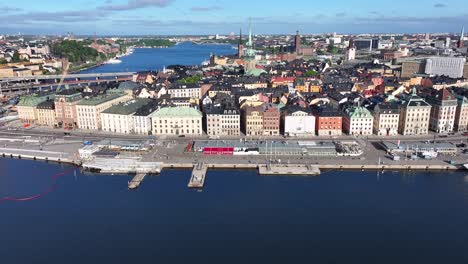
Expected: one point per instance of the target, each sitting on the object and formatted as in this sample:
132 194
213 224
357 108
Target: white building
119 118
185 91
414 116
223 121
299 122
89 109
357 120
351 54
448 66
176 121
443 112
142 119
386 120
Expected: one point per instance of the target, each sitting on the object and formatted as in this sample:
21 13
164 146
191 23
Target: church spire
462 36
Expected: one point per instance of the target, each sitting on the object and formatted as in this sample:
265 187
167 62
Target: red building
328 122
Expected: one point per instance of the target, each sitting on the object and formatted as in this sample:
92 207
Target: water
240 217
185 53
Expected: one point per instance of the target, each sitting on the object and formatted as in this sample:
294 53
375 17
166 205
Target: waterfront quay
286 157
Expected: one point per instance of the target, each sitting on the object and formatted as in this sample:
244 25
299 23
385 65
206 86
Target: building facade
357 120
89 109
448 66
46 113
386 120
185 91
142 118
443 111
223 121
252 119
119 118
298 122
27 107
414 116
177 121
65 108
329 122
271 120
461 116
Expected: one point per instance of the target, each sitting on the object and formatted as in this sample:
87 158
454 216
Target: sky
204 17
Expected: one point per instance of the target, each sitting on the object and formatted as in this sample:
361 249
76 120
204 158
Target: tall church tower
249 56
297 43
240 46
461 40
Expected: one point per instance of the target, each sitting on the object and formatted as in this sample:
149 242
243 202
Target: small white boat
466 166
113 61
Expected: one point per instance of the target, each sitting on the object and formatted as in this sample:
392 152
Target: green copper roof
127 108
255 72
178 112
358 112
100 99
32 100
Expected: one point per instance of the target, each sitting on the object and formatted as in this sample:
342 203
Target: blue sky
161 17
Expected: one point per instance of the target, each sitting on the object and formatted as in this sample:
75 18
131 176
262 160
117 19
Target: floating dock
198 176
136 181
289 170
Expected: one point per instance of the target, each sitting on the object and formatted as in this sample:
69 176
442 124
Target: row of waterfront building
120 111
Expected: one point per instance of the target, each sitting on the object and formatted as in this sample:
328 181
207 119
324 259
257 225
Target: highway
68 76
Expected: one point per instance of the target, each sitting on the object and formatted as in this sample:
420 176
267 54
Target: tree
311 73
332 49
16 57
3 61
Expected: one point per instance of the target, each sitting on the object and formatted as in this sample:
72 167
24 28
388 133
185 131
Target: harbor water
144 59
239 217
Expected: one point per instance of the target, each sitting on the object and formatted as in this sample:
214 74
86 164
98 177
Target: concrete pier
136 181
37 155
198 176
122 166
292 170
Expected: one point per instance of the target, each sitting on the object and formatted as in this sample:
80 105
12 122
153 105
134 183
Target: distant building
351 53
411 68
176 121
448 66
366 44
386 119
357 120
414 116
185 91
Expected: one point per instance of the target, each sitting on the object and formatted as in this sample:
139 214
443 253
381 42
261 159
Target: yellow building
46 114
27 107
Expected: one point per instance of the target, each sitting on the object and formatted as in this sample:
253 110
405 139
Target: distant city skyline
185 17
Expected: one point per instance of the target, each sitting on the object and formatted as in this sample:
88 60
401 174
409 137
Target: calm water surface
240 217
155 59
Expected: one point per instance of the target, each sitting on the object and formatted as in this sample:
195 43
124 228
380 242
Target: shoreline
244 166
